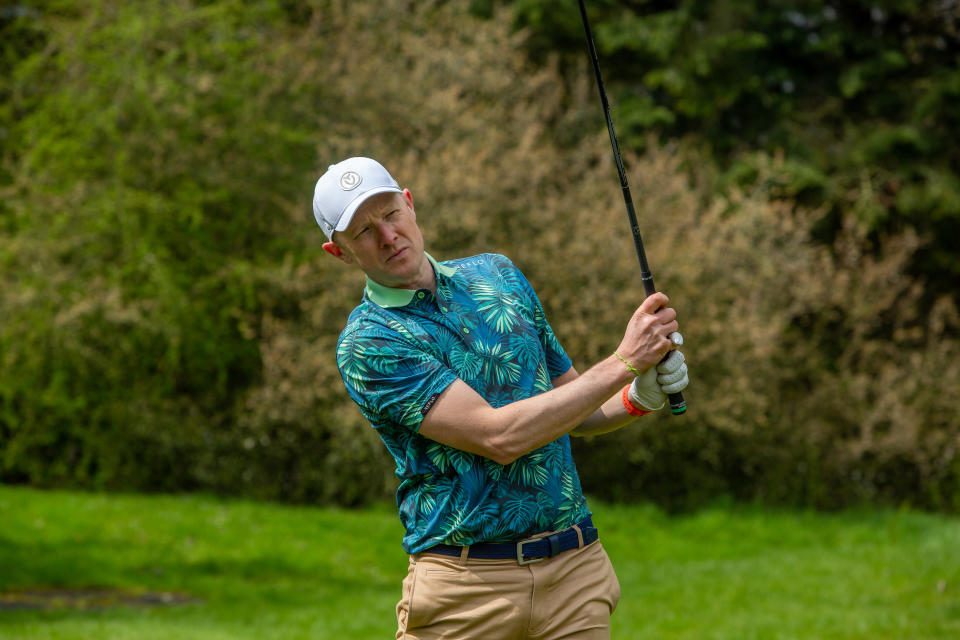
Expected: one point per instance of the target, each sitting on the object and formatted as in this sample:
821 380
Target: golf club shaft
677 404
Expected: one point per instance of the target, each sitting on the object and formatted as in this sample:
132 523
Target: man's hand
650 389
647 338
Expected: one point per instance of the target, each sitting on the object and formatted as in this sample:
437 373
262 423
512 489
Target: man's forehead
381 201
376 206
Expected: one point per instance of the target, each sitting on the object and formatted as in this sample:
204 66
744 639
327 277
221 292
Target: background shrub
169 318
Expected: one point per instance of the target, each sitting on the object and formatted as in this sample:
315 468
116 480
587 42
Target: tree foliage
862 98
168 319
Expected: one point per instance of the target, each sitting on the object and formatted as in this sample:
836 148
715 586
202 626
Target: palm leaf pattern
527 349
546 510
438 456
528 471
449 459
494 303
542 381
447 342
491 469
461 461
426 502
351 360
382 358
550 456
497 529
492 334
468 364
519 509
572 501
498 365
502 396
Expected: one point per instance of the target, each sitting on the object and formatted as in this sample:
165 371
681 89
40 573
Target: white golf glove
650 389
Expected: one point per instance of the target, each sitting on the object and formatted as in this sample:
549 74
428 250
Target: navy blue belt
526 551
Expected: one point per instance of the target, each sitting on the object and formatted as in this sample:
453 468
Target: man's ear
334 249
409 198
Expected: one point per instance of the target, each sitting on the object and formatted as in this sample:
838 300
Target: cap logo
350 180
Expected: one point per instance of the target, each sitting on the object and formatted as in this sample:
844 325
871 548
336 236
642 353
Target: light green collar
390 297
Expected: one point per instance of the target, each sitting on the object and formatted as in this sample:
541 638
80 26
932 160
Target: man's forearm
534 422
609 417
463 420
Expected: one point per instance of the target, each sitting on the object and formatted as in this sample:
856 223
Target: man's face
384 240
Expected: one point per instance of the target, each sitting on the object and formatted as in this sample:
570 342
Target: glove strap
632 410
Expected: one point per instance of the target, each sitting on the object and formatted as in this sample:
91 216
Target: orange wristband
632 410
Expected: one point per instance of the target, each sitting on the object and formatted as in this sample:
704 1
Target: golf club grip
678 406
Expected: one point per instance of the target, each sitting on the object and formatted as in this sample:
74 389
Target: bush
861 98
170 318
816 377
168 311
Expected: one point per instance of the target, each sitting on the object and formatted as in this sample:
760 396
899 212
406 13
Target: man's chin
403 270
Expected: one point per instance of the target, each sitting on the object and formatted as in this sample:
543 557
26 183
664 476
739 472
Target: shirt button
420 294
465 330
444 309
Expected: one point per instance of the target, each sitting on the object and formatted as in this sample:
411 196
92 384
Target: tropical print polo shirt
402 348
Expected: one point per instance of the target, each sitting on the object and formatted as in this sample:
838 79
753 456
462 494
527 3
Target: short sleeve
391 379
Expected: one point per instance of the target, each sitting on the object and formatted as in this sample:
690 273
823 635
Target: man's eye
362 231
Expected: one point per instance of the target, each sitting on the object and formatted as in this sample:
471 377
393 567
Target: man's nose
387 235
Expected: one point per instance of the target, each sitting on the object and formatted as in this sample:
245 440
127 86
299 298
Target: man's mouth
397 254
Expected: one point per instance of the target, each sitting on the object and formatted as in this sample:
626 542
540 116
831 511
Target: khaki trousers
569 596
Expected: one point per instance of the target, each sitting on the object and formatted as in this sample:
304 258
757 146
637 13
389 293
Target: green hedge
861 98
169 318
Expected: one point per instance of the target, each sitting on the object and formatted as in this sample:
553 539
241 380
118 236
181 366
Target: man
456 367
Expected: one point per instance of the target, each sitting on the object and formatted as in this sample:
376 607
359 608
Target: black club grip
678 406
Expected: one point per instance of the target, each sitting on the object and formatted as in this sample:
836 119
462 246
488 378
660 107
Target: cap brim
351 209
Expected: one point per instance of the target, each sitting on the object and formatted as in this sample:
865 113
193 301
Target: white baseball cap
344 187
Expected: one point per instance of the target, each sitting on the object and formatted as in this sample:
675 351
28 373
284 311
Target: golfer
456 367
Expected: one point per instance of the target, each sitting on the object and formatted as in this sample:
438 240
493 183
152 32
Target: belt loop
464 552
579 536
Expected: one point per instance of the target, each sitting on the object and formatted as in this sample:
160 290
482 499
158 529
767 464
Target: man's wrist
628 404
646 394
623 374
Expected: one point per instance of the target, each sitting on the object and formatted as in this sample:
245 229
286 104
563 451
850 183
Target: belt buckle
520 559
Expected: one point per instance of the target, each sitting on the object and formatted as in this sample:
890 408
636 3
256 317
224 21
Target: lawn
178 567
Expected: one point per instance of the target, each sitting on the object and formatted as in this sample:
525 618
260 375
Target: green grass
272 571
